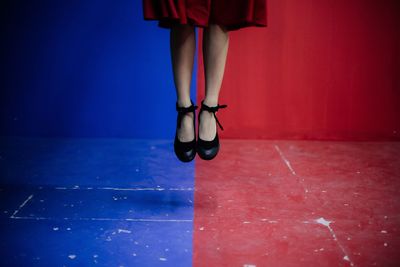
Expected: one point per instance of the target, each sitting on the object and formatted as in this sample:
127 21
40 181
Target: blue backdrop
85 69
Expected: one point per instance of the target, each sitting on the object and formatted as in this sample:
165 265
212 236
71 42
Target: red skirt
233 14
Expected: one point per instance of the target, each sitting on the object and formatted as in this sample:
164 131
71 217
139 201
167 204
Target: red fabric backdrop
320 70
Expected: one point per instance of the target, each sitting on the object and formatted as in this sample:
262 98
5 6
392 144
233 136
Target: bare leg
183 45
215 50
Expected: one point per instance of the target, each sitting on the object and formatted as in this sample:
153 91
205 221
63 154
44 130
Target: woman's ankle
211 102
184 102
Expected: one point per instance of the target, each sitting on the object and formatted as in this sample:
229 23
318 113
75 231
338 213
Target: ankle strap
213 110
184 110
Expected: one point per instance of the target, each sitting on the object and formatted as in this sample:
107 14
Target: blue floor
94 202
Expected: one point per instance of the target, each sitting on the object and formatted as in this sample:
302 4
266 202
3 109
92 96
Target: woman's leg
215 50
183 45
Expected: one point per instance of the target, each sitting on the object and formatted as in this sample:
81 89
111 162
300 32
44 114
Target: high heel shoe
185 151
207 150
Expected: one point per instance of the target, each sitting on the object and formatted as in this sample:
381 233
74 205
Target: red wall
322 69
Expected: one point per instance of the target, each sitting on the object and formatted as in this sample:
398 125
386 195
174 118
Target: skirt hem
167 23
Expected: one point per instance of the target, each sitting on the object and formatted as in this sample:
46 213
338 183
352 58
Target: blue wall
85 69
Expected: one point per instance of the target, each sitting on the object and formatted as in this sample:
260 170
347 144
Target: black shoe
185 151
207 150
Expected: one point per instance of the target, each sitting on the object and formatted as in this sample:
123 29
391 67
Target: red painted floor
298 203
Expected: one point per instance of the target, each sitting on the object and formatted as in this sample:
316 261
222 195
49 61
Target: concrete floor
298 203
124 202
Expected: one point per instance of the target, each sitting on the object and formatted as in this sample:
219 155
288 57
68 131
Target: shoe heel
185 151
207 150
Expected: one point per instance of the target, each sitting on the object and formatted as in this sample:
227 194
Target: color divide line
101 219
